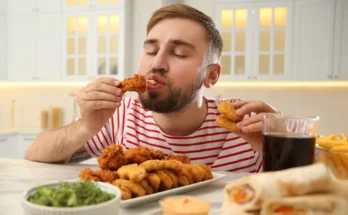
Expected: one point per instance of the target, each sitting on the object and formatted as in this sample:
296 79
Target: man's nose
160 62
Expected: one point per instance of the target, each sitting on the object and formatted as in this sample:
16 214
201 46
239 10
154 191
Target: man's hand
98 101
251 128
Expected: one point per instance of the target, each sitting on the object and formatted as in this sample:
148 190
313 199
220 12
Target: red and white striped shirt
132 125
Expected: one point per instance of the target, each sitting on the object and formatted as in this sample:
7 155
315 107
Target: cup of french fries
332 150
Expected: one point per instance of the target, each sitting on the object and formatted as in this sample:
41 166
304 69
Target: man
181 54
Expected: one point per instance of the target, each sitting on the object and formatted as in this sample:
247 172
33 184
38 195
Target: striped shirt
132 125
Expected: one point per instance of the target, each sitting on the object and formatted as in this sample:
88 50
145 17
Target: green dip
72 194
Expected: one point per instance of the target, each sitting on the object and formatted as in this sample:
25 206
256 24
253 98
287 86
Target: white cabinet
313 35
2 46
34 41
21 46
42 6
257 40
340 69
94 40
14 145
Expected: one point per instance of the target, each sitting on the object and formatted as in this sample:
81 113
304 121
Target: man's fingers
250 120
238 104
256 107
97 105
255 127
100 96
102 87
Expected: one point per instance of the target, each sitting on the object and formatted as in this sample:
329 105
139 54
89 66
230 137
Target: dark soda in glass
287 150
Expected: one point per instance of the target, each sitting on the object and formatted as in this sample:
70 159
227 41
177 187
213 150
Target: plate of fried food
145 175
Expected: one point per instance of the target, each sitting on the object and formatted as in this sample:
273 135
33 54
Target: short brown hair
187 12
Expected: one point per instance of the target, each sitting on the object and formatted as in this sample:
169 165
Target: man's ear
212 75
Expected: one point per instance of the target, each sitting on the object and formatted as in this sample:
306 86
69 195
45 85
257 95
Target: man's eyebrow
151 41
183 43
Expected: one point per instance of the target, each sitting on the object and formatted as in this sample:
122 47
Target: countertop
18 175
12 132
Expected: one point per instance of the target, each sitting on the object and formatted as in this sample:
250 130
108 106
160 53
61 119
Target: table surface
18 175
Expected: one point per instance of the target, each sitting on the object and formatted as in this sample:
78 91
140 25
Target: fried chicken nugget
186 173
173 165
196 171
148 189
99 175
125 192
228 111
166 181
181 158
132 171
207 171
112 158
157 154
183 180
136 83
134 188
173 177
153 180
151 165
226 123
138 154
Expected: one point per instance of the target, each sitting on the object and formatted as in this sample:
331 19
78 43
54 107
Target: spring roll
317 204
248 193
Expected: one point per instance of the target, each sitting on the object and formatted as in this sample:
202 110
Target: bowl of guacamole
72 198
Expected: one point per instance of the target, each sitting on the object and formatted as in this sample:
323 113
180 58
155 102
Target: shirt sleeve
111 133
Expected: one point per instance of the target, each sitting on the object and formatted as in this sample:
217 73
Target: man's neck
184 122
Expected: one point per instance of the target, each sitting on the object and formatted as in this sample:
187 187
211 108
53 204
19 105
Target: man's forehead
176 30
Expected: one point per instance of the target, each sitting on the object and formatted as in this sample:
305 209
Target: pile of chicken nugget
142 171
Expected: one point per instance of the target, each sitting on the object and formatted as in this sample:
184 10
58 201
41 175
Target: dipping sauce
185 206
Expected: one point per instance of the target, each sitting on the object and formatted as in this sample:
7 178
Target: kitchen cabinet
28 6
14 145
283 39
94 40
340 67
257 39
2 46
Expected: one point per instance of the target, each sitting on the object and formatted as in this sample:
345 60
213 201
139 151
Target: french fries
338 162
332 143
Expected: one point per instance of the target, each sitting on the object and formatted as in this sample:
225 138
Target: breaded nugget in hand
151 165
99 175
153 180
132 171
135 188
136 83
112 158
181 158
173 165
228 111
223 122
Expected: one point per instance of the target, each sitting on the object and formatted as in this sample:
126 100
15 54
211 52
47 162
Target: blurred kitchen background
292 54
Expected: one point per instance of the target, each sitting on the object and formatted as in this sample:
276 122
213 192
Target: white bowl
110 207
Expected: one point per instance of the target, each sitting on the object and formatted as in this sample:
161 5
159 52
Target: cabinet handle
330 76
2 139
336 77
249 77
255 78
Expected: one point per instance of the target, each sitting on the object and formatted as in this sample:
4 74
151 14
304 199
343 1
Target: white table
17 175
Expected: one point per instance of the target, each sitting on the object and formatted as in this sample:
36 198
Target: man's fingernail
238 112
118 91
117 83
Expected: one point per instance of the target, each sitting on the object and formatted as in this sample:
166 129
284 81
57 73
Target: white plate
159 195
215 209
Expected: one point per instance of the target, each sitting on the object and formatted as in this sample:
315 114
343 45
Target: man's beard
177 99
